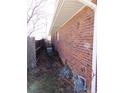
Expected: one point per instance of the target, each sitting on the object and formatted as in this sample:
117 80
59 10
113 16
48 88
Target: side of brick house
74 43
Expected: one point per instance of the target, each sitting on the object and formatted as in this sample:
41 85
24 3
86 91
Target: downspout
94 58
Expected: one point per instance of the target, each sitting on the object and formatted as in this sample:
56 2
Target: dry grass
42 84
43 80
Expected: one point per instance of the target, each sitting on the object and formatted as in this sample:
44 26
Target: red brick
75 43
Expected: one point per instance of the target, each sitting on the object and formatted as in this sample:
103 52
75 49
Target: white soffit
64 12
69 9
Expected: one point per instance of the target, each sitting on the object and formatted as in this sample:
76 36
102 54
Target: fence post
31 54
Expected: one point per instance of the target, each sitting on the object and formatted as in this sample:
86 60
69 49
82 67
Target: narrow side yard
45 78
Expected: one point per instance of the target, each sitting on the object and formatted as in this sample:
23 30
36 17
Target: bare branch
33 30
31 15
33 10
30 6
34 16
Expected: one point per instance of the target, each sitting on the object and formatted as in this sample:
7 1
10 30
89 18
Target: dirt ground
45 79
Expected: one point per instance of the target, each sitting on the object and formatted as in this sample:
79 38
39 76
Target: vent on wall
83 69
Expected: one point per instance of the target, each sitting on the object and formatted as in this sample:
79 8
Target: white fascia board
57 10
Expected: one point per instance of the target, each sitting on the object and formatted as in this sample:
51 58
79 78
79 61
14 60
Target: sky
48 10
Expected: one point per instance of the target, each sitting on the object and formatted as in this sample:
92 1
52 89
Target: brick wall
74 43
